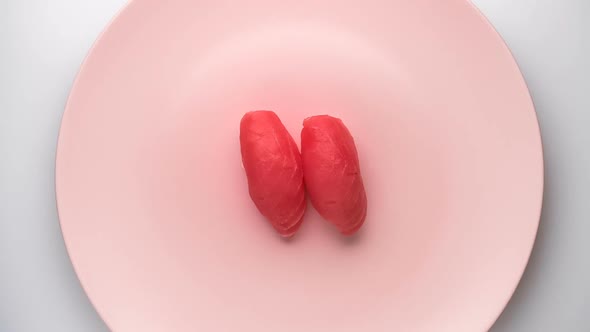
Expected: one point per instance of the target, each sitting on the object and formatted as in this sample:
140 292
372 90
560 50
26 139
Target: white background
42 44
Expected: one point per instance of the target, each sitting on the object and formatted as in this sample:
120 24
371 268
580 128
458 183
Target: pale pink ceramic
154 204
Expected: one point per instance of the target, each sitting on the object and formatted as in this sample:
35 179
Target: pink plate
153 200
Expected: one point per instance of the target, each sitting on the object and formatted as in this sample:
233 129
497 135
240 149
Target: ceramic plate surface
154 204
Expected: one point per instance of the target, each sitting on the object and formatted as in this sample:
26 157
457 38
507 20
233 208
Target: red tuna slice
274 170
332 173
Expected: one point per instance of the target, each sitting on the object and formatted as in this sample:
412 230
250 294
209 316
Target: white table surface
42 44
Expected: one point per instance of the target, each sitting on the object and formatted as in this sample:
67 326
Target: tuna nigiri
274 170
332 173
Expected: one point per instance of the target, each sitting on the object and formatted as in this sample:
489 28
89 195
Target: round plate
153 200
